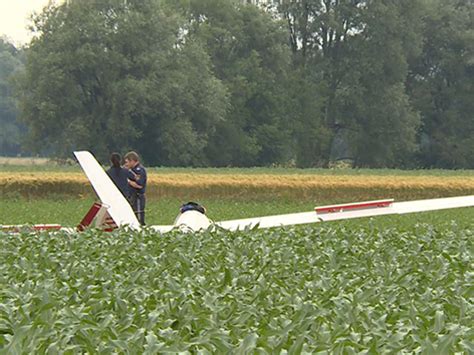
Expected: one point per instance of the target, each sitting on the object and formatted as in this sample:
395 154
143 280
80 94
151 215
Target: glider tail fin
117 206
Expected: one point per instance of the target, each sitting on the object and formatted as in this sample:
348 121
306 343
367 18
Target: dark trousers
137 201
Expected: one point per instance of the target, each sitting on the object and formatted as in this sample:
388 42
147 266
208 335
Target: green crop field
393 284
373 287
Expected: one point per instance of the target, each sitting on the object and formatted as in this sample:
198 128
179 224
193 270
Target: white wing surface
434 204
118 207
313 217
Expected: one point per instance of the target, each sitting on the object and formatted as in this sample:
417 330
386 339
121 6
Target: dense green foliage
357 52
123 75
10 132
217 83
337 288
442 85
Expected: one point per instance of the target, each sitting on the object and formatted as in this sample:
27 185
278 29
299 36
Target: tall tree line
380 83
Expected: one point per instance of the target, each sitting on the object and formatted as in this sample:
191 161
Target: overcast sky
14 16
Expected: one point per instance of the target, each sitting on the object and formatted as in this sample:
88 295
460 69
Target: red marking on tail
99 217
89 217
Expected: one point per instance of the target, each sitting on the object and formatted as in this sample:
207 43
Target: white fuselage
192 220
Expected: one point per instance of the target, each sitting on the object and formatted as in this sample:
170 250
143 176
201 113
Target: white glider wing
434 204
118 207
314 217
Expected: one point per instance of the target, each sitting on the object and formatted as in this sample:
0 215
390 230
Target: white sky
14 18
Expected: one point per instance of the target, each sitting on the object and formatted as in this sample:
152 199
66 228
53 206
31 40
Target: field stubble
249 186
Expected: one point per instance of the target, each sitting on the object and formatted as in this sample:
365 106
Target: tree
382 117
111 75
442 85
10 63
249 55
357 51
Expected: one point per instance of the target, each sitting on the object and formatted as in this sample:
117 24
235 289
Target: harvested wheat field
255 186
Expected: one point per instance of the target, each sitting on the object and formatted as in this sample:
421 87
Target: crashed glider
114 211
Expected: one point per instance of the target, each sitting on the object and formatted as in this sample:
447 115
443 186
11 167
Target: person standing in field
137 184
119 175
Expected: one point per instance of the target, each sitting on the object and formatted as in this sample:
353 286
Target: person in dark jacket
119 175
137 184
